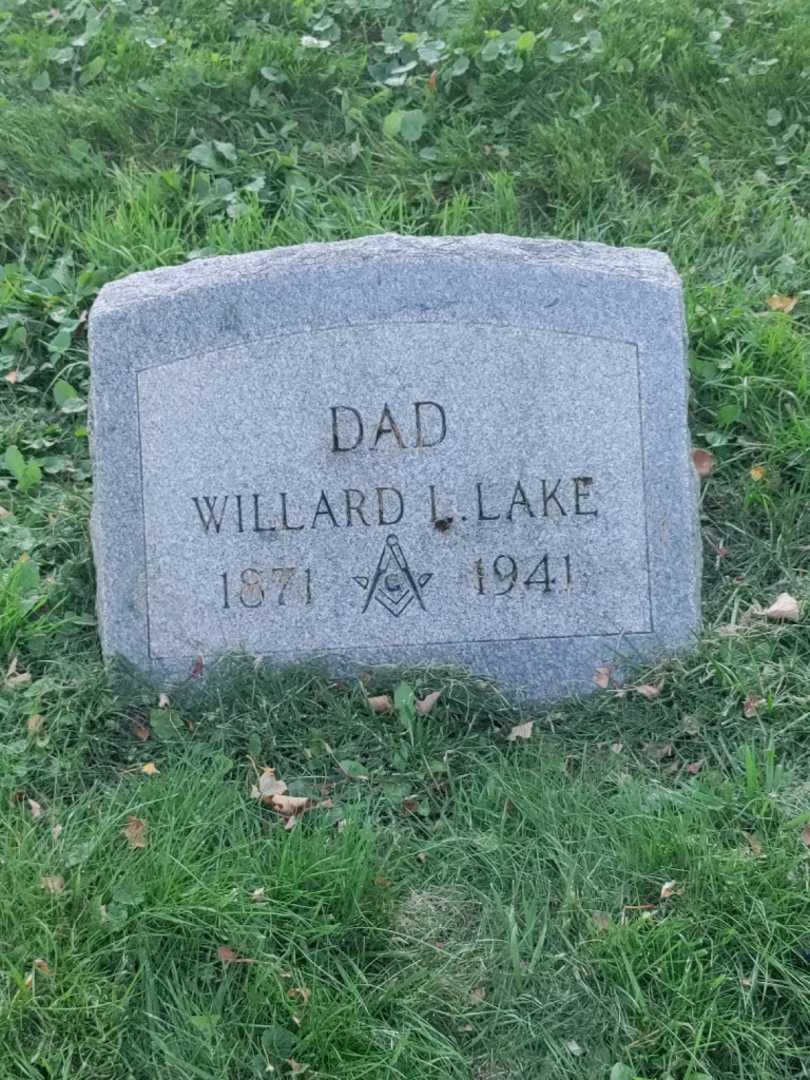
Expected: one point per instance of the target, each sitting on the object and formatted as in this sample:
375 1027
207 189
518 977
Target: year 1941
505 574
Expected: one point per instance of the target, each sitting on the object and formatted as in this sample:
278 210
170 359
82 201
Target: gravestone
468 451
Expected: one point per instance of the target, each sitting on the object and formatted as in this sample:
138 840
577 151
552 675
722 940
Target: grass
467 907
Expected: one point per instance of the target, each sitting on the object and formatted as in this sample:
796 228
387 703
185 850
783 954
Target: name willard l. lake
485 502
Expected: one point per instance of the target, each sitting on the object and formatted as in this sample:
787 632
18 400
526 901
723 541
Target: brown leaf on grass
758 472
37 810
53 883
704 462
785 608
291 805
668 890
778 302
602 920
150 768
35 724
382 881
602 676
140 730
751 705
227 955
522 731
659 750
40 966
135 832
268 786
434 75
17 678
300 992
424 706
754 845
272 792
805 837
694 767
650 691
382 703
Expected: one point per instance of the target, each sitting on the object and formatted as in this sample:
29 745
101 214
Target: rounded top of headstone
637 263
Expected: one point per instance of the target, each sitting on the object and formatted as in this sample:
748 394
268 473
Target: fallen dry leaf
602 920
522 731
434 75
227 955
296 1067
300 992
290 805
141 731
382 881
381 704
4 512
806 835
660 750
754 845
777 302
272 792
424 706
703 460
163 701
135 831
669 890
35 724
785 608
17 678
267 786
602 676
42 966
694 767
150 768
751 705
53 883
650 690
758 472
35 808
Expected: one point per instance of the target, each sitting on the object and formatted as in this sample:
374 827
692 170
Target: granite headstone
466 450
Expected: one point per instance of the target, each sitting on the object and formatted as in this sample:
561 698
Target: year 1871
279 585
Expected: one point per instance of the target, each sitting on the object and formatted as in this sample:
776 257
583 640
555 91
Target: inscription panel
337 489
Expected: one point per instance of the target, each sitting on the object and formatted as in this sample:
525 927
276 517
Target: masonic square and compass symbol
393 585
